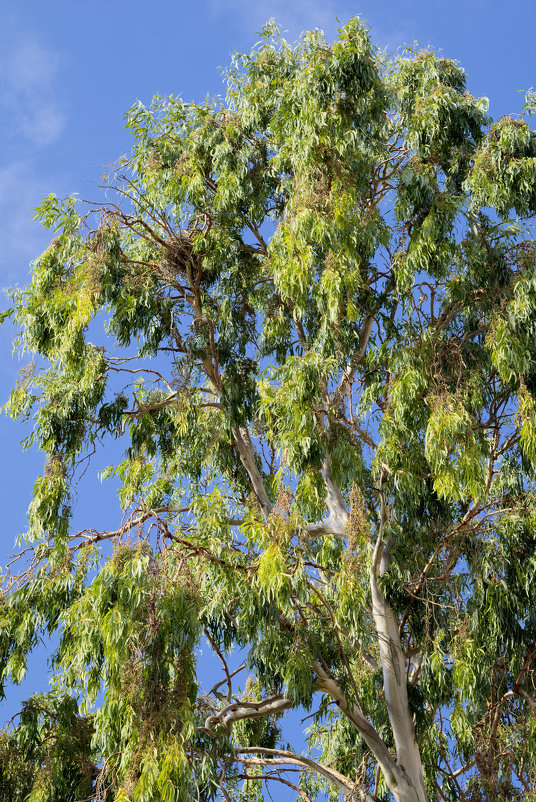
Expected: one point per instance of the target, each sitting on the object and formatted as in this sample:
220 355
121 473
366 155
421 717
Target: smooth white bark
395 775
335 523
239 710
395 688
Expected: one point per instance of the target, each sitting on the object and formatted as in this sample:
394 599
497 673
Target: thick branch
394 682
335 523
239 710
247 458
395 776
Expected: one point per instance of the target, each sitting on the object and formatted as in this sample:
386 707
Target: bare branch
229 676
271 777
240 710
291 758
349 374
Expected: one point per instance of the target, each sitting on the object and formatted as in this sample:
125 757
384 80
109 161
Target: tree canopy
314 313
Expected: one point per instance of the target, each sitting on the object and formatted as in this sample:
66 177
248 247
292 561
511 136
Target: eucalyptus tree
315 307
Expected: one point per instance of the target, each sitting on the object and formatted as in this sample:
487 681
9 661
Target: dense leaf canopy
315 314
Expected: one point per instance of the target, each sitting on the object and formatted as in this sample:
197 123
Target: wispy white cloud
22 238
296 16
28 96
32 119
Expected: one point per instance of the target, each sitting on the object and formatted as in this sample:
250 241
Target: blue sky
69 71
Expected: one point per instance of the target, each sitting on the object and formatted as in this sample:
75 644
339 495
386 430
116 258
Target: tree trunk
395 688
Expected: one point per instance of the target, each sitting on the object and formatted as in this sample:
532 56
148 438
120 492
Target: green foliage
48 755
314 314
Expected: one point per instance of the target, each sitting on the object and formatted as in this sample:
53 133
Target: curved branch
271 777
335 523
240 710
283 756
395 775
